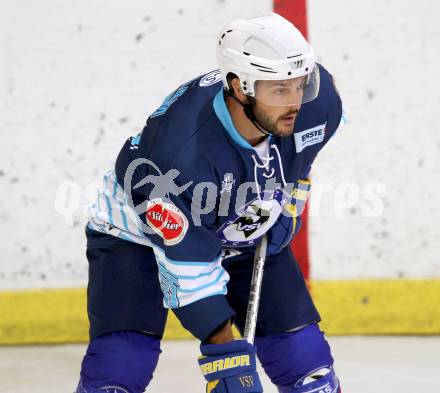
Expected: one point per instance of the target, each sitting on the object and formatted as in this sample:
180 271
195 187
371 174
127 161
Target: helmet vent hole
271 72
228 31
291 57
261 66
247 54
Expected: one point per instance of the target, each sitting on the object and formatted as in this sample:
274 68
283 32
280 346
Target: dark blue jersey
192 188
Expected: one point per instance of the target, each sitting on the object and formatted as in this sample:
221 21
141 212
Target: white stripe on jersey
192 280
111 213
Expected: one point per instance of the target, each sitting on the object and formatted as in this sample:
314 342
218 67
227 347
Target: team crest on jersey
211 79
251 222
167 221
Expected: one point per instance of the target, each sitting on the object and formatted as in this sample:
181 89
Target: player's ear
238 92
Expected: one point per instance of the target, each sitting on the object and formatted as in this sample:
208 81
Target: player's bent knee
287 357
123 362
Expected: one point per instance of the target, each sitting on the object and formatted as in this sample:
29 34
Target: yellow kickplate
43 316
347 308
378 306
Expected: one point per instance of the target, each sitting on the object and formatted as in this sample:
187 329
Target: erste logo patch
309 137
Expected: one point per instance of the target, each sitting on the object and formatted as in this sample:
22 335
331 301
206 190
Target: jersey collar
223 115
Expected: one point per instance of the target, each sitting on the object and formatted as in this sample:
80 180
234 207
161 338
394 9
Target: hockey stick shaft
254 295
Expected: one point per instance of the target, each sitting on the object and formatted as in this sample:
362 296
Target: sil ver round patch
167 221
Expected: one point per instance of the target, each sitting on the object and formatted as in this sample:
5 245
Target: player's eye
281 91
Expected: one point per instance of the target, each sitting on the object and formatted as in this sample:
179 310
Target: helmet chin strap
249 112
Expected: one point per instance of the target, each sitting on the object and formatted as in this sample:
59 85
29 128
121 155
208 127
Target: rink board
347 308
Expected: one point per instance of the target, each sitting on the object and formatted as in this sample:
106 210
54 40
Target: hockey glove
230 367
289 222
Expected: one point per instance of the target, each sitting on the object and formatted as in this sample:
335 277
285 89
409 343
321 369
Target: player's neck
243 125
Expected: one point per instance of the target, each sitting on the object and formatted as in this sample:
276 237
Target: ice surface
364 365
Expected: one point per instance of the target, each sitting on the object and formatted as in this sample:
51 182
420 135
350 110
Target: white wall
385 57
78 77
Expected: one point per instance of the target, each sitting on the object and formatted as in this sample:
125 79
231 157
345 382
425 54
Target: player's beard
274 126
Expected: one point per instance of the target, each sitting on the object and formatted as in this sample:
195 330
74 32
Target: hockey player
224 160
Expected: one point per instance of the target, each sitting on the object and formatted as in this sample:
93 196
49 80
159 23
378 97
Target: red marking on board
293 10
296 12
300 244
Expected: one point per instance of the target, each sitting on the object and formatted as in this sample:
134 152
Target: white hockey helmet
272 59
